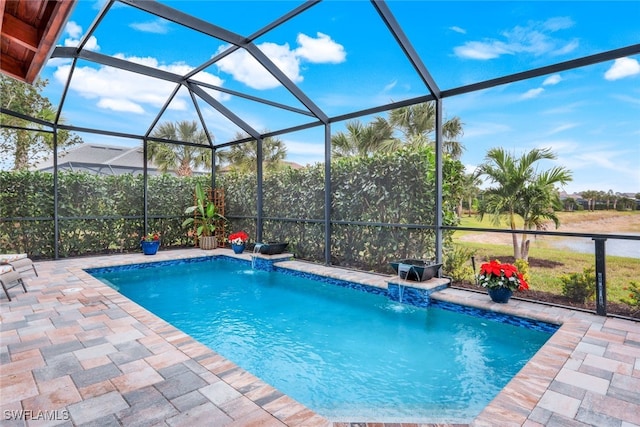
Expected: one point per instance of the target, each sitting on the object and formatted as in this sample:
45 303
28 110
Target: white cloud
562 128
246 69
74 32
482 50
390 86
484 128
320 50
596 159
120 105
593 165
532 93
469 168
627 98
157 26
119 90
534 38
552 80
567 48
458 29
558 23
564 109
304 152
621 68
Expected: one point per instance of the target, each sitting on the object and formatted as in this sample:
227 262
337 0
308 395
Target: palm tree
243 157
181 158
470 188
540 201
590 196
363 140
521 191
418 121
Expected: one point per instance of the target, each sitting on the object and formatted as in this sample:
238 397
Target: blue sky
341 55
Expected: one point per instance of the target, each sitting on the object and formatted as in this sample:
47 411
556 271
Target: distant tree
418 122
183 159
590 196
27 147
521 191
243 157
570 204
470 189
363 140
626 204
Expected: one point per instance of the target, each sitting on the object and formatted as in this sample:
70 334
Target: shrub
523 267
456 263
579 287
634 295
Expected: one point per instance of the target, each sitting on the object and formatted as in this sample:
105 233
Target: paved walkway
75 352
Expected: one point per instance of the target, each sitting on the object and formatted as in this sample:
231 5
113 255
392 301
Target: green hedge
102 214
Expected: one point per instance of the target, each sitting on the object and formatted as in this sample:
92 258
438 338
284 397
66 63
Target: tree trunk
514 237
21 159
524 247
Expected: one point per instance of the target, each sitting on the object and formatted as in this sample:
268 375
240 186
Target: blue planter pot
238 249
500 295
150 247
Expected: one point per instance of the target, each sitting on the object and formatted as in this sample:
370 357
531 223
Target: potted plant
501 280
205 216
150 243
238 241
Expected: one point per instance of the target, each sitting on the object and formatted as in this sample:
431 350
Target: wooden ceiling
29 30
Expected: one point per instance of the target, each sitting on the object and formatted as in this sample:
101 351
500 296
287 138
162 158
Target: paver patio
73 351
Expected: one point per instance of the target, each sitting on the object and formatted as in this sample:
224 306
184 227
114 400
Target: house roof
28 32
91 156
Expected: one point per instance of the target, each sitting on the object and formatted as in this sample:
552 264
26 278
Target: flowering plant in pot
150 243
238 241
151 237
501 280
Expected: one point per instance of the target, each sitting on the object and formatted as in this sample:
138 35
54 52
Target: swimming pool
344 353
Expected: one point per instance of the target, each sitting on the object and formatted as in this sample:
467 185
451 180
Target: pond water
617 247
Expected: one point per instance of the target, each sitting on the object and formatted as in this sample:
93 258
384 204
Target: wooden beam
20 32
50 33
12 67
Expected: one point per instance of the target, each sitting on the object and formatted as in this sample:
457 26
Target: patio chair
10 278
20 262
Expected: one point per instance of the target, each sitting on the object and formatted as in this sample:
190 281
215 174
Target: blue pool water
346 354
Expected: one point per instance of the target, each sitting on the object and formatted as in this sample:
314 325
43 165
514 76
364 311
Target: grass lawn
549 263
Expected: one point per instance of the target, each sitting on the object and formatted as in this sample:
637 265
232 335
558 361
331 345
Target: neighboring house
100 159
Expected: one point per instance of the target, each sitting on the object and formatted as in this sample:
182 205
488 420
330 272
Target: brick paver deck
75 352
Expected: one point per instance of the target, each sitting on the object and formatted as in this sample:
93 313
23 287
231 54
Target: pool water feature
344 353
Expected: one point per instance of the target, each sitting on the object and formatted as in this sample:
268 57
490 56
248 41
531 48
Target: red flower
493 274
238 238
492 267
151 236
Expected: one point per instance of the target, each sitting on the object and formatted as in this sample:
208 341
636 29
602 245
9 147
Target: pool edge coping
515 404
509 405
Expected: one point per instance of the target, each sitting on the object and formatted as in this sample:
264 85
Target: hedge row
101 214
